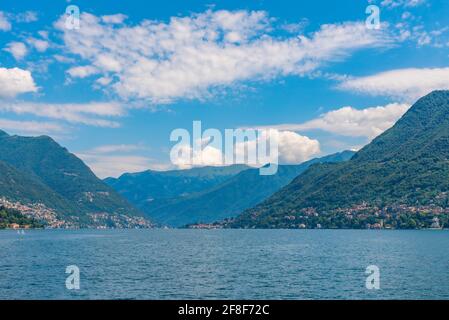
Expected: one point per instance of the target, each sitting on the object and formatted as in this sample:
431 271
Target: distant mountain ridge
143 187
402 174
236 189
38 170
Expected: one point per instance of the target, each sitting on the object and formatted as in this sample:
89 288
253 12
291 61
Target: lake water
224 264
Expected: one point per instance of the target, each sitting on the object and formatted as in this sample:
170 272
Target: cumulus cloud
405 84
189 57
5 25
15 81
348 121
208 156
17 49
292 148
295 148
88 113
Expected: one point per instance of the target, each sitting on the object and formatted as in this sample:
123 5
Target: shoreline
110 229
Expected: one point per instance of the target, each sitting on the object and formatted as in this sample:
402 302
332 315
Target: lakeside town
362 216
49 219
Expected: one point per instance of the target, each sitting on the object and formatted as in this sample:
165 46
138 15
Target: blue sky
113 90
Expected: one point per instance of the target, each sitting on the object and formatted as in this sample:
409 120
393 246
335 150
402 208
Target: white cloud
15 81
411 28
26 17
191 56
63 59
17 49
40 45
114 160
23 17
5 25
43 34
348 121
104 81
82 71
209 156
405 84
114 165
402 3
88 113
114 19
187 157
296 27
293 148
117 148
30 127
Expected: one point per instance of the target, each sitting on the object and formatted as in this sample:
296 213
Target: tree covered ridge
37 170
405 170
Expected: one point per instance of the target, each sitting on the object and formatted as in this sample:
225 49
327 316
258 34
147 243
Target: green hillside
17 186
38 170
402 176
231 197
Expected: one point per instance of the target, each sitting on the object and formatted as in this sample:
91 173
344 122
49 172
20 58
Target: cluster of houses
365 211
36 211
40 212
106 221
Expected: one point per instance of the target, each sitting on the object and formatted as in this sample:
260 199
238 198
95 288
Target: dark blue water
224 264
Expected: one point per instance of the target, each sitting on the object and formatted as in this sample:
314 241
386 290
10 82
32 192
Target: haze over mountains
401 179
144 187
208 194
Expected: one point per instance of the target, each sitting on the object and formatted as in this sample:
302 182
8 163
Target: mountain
399 180
37 170
221 199
144 187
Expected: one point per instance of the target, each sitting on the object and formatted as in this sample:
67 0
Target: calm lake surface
224 264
